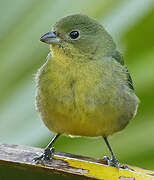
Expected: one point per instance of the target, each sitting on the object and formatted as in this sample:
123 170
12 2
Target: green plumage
84 88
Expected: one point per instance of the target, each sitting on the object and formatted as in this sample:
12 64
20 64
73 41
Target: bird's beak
50 37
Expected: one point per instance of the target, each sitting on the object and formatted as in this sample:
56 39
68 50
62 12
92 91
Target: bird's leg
113 161
48 151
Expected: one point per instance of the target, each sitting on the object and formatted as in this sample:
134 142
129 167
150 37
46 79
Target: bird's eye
74 34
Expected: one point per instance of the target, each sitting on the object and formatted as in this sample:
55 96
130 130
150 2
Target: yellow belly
83 101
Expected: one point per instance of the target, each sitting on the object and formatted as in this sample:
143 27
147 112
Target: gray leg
48 151
113 161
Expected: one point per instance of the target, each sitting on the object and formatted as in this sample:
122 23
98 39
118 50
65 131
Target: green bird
84 88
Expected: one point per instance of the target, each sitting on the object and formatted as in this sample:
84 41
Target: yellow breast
83 99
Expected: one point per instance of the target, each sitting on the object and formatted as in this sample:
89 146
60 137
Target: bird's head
79 36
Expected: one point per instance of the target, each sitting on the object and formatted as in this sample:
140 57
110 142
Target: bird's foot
112 162
45 156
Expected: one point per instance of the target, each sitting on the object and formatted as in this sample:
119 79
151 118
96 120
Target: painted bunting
84 88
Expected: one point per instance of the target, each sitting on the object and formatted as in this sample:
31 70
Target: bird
84 87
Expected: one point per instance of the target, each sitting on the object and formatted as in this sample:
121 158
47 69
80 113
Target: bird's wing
118 57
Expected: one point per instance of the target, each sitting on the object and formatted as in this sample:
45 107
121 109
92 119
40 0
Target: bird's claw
45 156
112 162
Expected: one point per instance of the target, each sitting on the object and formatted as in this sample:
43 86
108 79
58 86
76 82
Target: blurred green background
22 22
